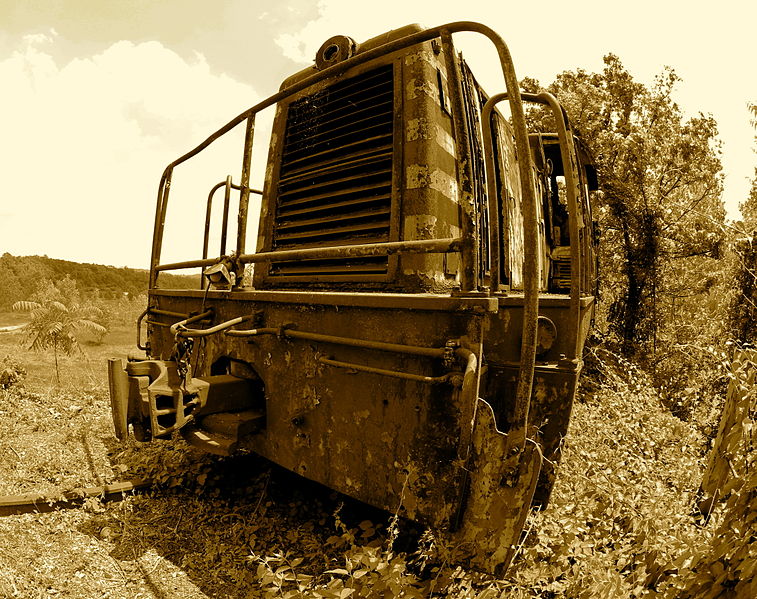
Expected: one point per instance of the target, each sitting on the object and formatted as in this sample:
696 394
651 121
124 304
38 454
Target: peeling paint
421 175
428 57
415 87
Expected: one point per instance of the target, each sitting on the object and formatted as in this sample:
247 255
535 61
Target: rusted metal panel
328 423
499 497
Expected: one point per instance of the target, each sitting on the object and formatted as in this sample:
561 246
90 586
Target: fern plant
55 326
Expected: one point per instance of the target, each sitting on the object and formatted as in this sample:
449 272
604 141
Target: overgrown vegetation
21 275
664 264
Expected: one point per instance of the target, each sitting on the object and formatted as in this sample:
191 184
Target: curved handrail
516 108
228 185
567 154
517 436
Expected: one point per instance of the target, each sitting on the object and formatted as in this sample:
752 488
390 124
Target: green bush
11 373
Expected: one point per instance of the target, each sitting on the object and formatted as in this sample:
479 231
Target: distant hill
19 276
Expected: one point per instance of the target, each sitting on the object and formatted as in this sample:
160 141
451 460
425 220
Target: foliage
727 565
659 207
621 508
21 276
57 317
743 308
11 372
369 569
172 464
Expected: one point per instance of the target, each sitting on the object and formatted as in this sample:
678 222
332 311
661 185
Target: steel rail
516 108
37 502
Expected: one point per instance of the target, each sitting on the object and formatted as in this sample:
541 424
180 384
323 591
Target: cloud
84 144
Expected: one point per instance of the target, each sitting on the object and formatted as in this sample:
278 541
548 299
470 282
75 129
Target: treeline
20 277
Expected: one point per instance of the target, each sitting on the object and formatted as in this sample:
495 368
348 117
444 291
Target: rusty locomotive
410 327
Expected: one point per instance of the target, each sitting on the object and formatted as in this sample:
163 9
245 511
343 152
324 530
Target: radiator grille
560 269
335 178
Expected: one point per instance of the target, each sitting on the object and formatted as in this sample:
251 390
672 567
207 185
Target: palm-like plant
55 325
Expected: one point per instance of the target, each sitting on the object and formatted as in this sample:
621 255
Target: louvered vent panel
335 179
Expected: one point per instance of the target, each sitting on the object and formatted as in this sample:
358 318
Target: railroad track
38 502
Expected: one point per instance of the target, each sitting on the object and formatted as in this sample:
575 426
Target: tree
57 316
660 211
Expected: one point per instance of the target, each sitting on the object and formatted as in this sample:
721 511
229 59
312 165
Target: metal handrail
417 246
517 436
229 186
567 153
468 247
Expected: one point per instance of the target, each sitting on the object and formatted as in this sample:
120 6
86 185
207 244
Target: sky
97 97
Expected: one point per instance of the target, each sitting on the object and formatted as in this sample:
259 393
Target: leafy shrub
727 566
11 373
173 464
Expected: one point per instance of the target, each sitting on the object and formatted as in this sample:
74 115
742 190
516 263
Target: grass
240 527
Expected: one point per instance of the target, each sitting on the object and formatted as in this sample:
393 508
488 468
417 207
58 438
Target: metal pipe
254 332
179 329
139 330
468 397
492 191
225 221
432 380
168 313
567 155
511 83
187 264
191 319
244 194
208 211
160 218
517 438
415 350
572 183
159 324
431 352
418 246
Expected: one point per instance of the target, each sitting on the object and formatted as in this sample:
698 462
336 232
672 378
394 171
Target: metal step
220 433
216 444
233 424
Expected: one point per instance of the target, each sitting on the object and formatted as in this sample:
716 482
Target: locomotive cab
409 329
